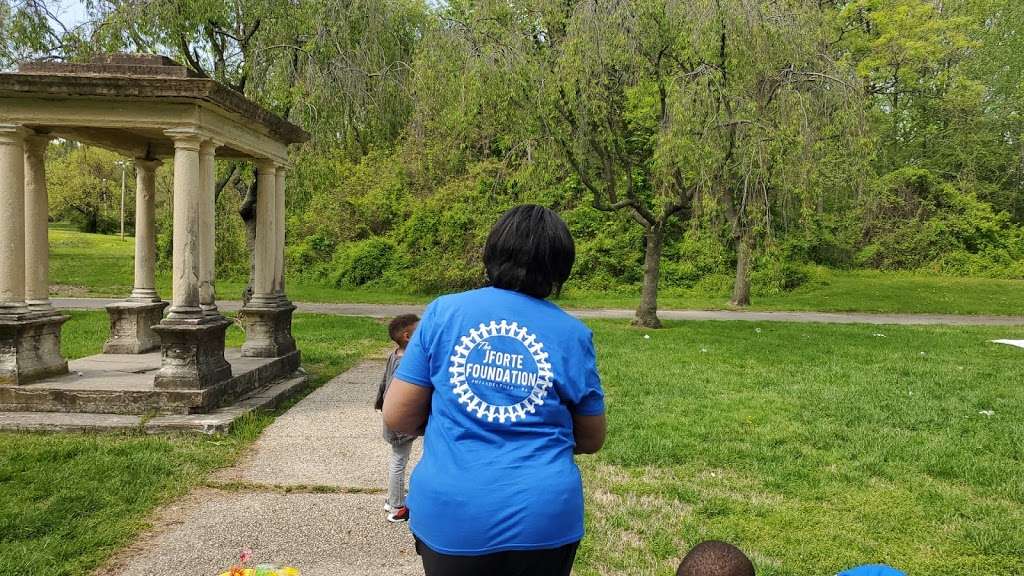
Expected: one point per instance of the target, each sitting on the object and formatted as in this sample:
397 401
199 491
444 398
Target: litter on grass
1017 343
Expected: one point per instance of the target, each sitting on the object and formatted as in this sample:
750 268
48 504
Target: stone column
192 344
187 206
37 239
29 339
132 321
279 244
207 228
264 293
267 318
145 231
12 226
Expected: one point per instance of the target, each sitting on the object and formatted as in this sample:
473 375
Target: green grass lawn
846 291
68 501
812 447
100 265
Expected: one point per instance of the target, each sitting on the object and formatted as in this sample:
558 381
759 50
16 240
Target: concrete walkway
309 493
391 310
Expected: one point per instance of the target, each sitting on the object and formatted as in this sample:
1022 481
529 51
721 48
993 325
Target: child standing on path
400 330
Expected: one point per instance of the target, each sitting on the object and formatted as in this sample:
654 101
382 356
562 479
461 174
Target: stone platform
122 384
217 421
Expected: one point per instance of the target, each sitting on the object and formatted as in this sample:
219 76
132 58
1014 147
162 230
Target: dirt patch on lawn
68 291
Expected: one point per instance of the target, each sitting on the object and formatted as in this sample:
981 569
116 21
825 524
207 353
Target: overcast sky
70 12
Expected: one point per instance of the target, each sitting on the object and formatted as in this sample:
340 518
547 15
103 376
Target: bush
360 263
776 276
921 222
695 256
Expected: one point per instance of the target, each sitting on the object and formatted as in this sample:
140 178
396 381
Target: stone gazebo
153 110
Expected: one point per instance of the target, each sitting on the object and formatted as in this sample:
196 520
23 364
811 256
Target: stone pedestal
192 355
131 327
268 331
30 348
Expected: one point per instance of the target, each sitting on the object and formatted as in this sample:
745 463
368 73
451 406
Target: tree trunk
647 313
741 288
92 222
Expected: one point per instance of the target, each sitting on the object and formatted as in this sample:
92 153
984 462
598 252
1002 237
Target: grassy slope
811 447
70 500
96 265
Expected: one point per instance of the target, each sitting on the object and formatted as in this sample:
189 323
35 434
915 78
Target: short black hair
400 323
529 250
715 558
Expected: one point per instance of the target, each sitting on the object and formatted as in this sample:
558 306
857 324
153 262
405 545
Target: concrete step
217 421
123 384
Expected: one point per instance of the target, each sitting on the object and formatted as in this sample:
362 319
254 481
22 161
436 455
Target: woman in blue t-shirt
504 387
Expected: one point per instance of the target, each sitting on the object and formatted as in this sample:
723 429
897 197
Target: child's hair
399 324
715 558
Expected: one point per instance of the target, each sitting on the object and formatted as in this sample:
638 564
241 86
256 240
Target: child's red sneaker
399 515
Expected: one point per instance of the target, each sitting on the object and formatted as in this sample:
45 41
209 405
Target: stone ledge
167 88
119 392
218 421
65 422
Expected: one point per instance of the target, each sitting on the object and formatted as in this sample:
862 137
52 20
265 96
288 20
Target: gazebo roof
171 96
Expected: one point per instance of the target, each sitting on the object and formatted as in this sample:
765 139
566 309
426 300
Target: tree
752 116
590 83
85 186
30 29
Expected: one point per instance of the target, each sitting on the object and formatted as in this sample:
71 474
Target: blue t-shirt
872 570
507 371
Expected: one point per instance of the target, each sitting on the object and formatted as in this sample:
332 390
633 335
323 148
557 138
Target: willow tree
768 97
592 83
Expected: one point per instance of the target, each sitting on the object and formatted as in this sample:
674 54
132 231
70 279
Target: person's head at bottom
715 558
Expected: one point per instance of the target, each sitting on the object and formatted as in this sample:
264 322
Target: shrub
360 263
776 276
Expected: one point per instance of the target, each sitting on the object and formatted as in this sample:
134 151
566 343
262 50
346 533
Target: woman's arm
589 432
406 407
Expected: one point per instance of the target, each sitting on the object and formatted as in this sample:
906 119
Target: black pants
550 562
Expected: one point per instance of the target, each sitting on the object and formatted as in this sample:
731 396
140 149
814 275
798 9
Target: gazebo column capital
14 134
36 143
148 164
267 165
186 138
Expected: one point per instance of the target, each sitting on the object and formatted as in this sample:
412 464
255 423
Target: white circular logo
500 372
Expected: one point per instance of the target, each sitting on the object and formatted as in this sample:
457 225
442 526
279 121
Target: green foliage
855 134
920 221
442 241
85 187
359 263
609 248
